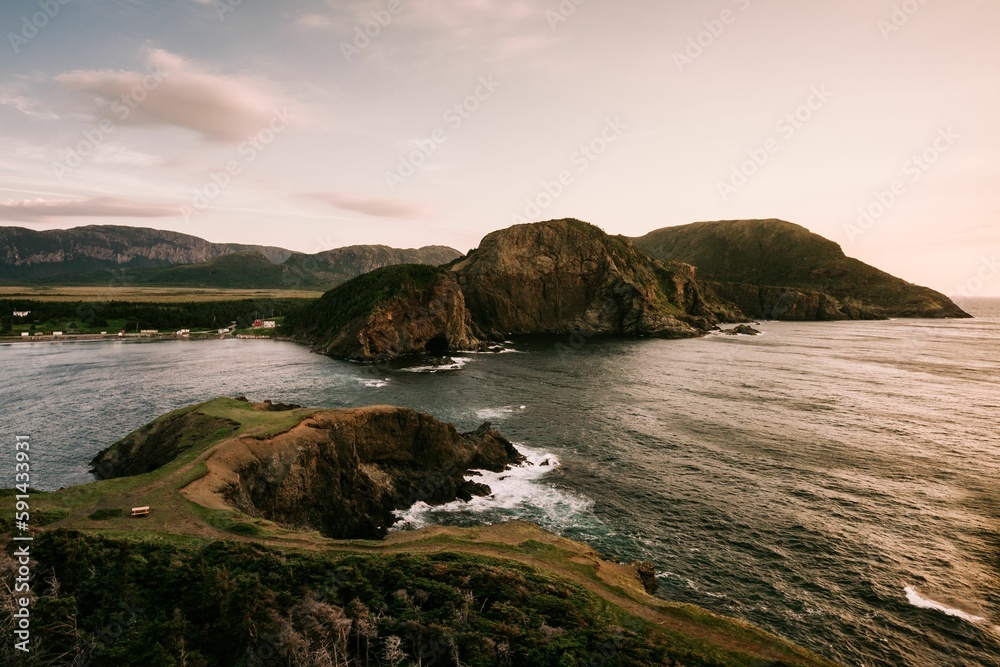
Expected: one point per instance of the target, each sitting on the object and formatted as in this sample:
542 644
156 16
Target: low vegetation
124 602
112 316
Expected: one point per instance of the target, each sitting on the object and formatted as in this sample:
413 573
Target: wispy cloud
175 92
29 106
377 208
53 210
315 22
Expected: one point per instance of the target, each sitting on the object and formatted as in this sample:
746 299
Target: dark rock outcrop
567 276
646 572
742 330
345 472
778 270
392 312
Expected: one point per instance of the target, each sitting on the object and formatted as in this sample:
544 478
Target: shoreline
135 338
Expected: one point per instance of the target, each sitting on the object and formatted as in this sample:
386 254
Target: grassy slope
781 254
101 509
356 298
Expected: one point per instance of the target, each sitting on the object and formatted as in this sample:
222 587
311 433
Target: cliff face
25 253
802 272
567 276
388 313
344 472
789 304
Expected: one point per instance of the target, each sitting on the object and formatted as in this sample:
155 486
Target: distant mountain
26 254
333 267
778 270
137 256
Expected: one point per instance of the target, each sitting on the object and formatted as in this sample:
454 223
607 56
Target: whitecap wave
517 494
498 414
457 364
374 384
918 600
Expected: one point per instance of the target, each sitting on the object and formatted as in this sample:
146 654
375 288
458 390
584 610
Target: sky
312 124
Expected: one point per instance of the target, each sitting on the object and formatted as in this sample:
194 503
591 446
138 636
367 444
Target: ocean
835 483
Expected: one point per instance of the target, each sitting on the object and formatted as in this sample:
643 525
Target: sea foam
516 494
917 600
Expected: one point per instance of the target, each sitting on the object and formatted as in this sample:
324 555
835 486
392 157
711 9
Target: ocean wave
517 494
375 384
917 600
457 364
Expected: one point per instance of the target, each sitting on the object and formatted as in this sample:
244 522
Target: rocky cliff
345 472
388 313
790 304
567 276
341 472
773 268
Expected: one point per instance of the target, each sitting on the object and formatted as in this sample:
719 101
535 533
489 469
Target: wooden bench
140 511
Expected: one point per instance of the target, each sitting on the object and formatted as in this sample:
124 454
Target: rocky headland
772 269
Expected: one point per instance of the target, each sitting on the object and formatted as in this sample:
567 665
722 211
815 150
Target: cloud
376 208
51 210
174 92
26 105
119 154
315 22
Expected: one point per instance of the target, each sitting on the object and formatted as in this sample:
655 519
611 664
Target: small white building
149 331
268 324
25 334
57 333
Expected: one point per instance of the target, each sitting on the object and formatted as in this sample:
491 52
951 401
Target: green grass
87 500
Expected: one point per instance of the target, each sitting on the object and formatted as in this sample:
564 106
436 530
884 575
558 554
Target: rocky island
236 563
556 277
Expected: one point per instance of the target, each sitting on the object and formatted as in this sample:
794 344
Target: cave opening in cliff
437 345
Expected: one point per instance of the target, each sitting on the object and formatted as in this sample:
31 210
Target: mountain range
97 255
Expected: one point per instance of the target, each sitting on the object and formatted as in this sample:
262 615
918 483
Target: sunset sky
312 125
